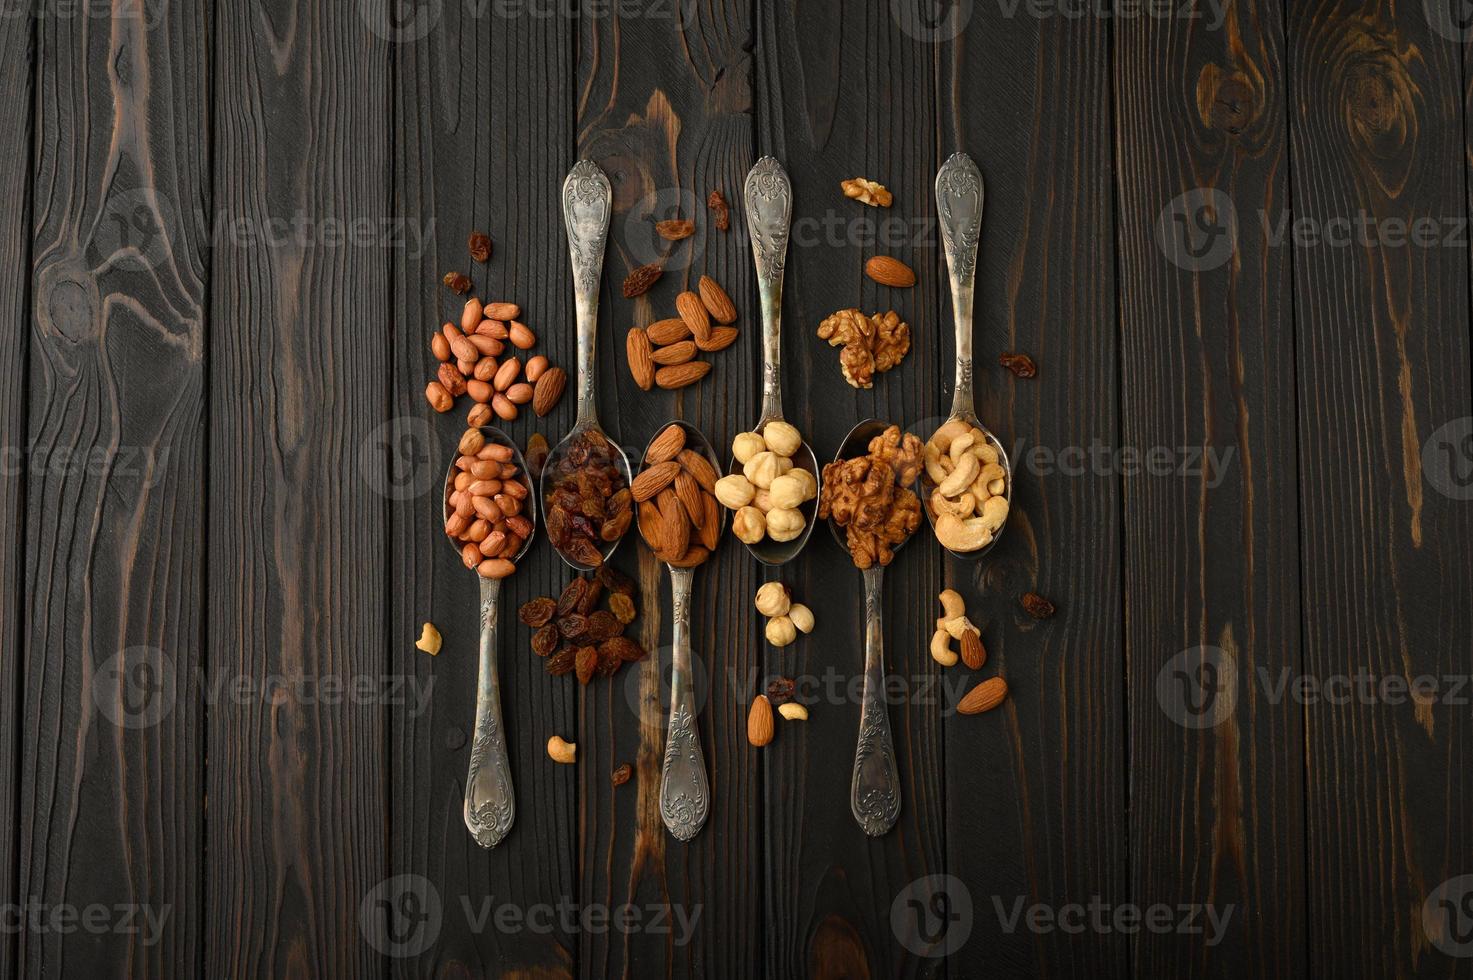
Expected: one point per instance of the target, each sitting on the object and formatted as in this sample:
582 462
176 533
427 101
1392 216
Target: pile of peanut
969 499
468 356
484 501
767 493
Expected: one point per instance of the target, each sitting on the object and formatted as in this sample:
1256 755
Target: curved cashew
952 605
942 437
994 512
957 625
960 445
941 651
962 535
983 450
937 466
962 506
960 478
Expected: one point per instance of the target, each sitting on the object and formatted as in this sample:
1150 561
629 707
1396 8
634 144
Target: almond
721 338
717 303
710 522
653 479
680 375
677 353
675 526
694 555
664 446
548 390
699 467
692 311
689 492
889 271
984 697
974 654
651 526
663 332
759 721
637 348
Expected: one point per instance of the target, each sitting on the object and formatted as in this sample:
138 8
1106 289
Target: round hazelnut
734 491
786 491
765 467
801 616
781 631
746 445
773 599
749 525
784 523
781 438
810 484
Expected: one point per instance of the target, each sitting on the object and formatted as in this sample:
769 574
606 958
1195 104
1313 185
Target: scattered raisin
572 595
608 663
587 663
538 611
480 246
622 774
457 282
1036 605
592 592
573 625
616 581
623 647
640 280
561 662
780 690
545 640
1019 363
622 607
536 454
603 625
718 206
675 229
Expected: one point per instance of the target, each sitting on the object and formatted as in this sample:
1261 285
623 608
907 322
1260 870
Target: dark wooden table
222 228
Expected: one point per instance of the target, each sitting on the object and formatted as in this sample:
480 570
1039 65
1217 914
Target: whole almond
641 358
693 312
677 353
984 697
759 721
710 522
694 555
675 540
717 303
974 654
664 446
699 467
548 390
889 271
506 374
720 339
689 493
650 523
668 331
521 335
680 375
501 311
653 479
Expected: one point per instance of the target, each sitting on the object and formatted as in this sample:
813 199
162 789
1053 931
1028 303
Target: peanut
438 397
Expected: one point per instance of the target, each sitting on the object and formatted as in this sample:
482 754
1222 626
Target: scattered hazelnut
773 599
734 491
781 631
801 616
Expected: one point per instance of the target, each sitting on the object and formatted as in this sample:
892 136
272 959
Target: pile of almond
664 354
678 515
484 501
468 356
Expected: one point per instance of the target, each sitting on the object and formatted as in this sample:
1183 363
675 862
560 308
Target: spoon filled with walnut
968 480
488 513
681 522
773 478
585 502
872 513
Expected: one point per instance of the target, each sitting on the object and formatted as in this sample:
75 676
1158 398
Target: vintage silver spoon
959 200
490 805
769 197
587 202
874 794
685 793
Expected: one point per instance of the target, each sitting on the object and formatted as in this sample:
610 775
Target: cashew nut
960 478
957 625
941 650
960 445
942 437
792 711
562 751
983 450
936 465
994 512
962 506
429 640
952 605
962 535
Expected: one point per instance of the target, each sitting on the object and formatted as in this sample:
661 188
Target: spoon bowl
856 444
553 464
493 434
928 485
694 440
775 553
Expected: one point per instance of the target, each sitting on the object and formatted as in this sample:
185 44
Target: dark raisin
1019 363
603 625
561 662
592 592
572 593
622 774
1036 605
587 663
573 626
622 607
457 282
545 640
585 552
780 690
608 663
536 612
638 282
480 246
623 647
616 581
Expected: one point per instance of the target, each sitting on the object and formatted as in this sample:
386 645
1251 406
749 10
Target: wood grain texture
297 827
17 76
1211 549
111 795
1036 791
1383 364
487 151
664 102
845 93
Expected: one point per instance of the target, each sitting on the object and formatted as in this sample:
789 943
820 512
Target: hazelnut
781 437
746 445
773 599
734 491
765 467
810 483
762 500
801 616
786 491
784 523
749 525
781 631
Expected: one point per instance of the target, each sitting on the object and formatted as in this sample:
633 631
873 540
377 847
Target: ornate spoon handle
769 197
875 794
587 201
490 805
685 796
959 199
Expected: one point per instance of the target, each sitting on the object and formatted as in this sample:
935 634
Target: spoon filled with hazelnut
967 476
772 482
681 522
489 519
586 506
872 513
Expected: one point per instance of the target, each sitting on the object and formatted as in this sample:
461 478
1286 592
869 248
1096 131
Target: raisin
572 594
640 280
586 664
537 612
623 647
1036 605
1019 363
780 690
674 229
457 282
608 663
573 625
480 246
616 581
717 203
536 454
622 607
592 592
561 662
603 625
585 552
545 640
621 775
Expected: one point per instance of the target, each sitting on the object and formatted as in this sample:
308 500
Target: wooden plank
1035 792
297 829
1211 553
17 76
1381 327
664 108
110 808
478 150
845 92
